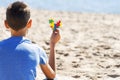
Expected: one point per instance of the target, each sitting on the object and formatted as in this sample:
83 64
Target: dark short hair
17 15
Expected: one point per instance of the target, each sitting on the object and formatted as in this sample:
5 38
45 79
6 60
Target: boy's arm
54 39
50 69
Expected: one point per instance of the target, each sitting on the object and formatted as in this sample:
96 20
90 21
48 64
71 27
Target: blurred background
95 6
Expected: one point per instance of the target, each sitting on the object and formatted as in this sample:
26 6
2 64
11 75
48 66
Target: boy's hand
55 37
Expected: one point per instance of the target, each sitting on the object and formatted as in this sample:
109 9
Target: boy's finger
56 31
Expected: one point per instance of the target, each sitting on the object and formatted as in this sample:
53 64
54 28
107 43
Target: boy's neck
21 32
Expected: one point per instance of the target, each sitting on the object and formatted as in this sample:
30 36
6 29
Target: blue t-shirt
19 58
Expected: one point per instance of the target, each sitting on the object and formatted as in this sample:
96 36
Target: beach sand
89 48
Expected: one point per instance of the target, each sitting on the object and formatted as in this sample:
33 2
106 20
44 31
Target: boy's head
17 15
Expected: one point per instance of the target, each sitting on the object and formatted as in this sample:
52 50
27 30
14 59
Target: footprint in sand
116 55
57 58
76 65
81 59
114 75
33 42
74 62
104 46
118 65
60 66
76 76
77 55
47 43
60 53
66 54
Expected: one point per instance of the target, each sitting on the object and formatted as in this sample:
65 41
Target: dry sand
89 48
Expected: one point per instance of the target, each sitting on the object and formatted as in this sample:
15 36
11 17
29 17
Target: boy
18 55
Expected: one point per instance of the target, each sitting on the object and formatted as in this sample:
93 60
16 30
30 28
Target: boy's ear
6 24
29 23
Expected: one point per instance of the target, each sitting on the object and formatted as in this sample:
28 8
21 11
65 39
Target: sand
89 48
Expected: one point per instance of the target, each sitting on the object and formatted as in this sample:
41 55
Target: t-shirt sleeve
43 57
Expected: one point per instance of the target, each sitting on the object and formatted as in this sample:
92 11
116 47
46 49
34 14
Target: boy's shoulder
3 41
16 41
20 43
